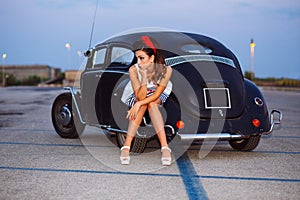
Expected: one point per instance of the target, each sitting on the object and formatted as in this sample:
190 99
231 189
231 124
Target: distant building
70 77
22 72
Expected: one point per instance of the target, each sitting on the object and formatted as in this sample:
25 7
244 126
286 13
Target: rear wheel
245 144
138 144
65 123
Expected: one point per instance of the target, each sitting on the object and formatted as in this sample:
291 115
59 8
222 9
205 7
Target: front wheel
63 117
245 144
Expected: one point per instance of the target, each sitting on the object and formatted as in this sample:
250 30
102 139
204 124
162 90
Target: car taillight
255 122
180 124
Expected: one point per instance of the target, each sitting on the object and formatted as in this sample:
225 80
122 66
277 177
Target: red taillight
180 124
256 122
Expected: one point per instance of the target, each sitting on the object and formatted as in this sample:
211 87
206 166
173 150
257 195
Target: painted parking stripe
263 152
51 144
148 174
190 178
285 136
103 146
28 130
252 178
86 171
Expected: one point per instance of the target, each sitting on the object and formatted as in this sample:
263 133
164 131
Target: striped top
129 98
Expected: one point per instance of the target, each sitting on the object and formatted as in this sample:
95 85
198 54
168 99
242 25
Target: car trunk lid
207 89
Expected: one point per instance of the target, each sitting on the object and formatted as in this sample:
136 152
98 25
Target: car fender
254 110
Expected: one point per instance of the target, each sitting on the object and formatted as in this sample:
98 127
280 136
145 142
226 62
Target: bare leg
132 129
158 124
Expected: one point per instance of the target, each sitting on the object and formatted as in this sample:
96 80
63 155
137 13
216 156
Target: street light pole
252 45
3 70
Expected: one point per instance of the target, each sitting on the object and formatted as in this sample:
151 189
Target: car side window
99 58
121 56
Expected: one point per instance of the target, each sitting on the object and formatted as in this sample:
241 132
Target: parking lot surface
35 163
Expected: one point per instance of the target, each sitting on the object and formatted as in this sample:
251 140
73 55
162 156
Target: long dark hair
150 47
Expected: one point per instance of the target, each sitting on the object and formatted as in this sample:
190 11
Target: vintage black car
210 99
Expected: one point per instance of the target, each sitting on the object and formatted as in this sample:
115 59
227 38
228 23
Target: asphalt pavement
35 163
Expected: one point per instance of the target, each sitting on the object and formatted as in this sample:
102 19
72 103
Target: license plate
216 98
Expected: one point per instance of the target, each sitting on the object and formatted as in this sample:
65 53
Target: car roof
173 41
167 39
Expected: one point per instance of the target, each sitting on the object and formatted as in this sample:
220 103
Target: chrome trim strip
172 61
209 136
145 122
122 131
75 103
116 130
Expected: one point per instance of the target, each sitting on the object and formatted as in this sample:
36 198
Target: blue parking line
151 174
278 152
188 174
40 144
51 145
252 178
86 171
263 152
190 178
103 146
285 136
26 129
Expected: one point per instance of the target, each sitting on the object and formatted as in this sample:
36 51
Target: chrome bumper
274 121
219 136
228 136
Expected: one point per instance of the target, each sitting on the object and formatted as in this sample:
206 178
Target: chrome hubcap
65 116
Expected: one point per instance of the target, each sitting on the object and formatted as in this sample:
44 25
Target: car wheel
63 118
138 144
245 144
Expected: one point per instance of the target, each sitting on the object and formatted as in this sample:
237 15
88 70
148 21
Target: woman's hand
132 113
144 73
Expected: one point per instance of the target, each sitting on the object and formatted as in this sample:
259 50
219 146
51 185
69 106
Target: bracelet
143 84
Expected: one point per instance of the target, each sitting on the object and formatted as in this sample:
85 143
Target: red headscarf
147 41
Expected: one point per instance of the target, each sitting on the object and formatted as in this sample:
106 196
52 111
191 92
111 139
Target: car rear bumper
275 119
201 136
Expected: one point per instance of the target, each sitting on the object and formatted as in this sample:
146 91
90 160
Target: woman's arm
154 96
139 87
160 88
163 83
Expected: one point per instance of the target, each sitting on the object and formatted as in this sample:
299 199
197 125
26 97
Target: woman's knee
152 105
